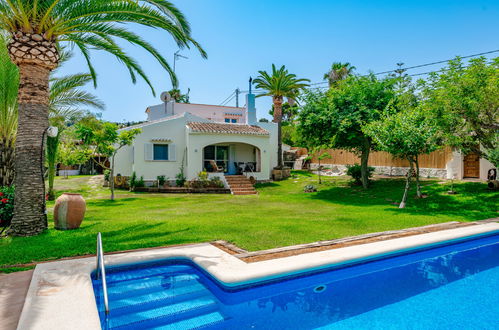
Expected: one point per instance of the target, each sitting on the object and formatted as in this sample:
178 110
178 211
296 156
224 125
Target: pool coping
61 295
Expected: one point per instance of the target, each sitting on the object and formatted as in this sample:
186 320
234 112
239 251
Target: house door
471 166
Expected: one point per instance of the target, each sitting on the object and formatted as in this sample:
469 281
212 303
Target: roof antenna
250 81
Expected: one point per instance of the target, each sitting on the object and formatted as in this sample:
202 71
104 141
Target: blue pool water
455 286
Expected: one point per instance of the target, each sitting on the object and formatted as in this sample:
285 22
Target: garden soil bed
183 190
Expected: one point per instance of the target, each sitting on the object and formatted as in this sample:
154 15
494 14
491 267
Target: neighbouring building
195 137
444 163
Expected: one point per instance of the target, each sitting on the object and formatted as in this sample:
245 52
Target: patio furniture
215 167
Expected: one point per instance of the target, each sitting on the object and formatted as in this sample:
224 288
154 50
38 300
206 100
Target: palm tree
9 82
36 28
339 71
66 102
279 84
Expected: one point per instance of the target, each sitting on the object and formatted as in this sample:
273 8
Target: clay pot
69 211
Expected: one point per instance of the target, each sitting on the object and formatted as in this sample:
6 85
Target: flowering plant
6 205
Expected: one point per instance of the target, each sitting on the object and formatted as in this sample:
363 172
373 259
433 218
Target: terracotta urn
69 211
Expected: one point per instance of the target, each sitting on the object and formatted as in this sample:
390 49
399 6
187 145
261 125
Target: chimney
250 109
250 106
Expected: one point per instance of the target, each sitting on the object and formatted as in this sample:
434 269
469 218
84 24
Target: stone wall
336 170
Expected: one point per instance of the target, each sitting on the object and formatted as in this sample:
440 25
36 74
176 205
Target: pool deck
13 290
61 296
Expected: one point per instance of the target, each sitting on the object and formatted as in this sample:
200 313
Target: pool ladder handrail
101 269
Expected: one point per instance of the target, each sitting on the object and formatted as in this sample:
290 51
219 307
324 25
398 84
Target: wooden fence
436 159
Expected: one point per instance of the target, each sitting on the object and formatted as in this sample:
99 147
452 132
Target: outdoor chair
215 167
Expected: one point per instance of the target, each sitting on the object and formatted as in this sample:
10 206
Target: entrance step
240 185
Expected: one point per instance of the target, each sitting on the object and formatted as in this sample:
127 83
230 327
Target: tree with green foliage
178 97
9 83
279 84
289 113
70 153
335 118
67 103
104 139
37 29
338 72
464 102
406 135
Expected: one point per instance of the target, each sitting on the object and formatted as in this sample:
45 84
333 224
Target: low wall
386 170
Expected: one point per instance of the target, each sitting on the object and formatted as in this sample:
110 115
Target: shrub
180 179
140 183
216 182
6 205
161 180
133 181
203 176
107 174
310 188
355 172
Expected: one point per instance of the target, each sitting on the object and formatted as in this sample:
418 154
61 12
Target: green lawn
280 215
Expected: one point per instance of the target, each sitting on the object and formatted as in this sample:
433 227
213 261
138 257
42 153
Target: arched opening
232 158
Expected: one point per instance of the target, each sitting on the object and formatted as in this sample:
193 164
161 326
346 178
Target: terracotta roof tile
226 128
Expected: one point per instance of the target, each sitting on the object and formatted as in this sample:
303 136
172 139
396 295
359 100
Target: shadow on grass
473 201
108 202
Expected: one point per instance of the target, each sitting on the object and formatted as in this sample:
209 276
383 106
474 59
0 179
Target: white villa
219 139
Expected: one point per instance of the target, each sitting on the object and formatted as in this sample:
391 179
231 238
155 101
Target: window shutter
172 152
148 151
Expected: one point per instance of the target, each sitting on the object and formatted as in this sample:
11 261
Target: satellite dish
165 97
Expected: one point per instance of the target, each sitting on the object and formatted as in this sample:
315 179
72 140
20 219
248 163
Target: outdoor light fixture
52 131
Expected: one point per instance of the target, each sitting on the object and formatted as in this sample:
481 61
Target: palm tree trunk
278 120
29 209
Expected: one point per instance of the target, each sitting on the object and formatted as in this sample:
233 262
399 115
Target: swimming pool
450 286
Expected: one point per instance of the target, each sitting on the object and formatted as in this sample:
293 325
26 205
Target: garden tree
407 135
335 118
279 84
289 112
9 83
36 29
70 153
464 101
317 151
338 72
66 102
178 97
104 139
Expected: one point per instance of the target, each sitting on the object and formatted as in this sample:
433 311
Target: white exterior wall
455 167
211 112
198 141
132 158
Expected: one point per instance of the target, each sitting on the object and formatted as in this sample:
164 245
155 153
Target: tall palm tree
9 83
36 28
67 102
279 84
339 71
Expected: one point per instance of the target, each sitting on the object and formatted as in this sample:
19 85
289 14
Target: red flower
5 200
1 194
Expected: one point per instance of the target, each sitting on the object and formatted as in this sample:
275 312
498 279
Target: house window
160 152
227 120
233 121
219 154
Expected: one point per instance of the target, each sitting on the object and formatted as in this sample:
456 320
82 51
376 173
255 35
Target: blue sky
242 37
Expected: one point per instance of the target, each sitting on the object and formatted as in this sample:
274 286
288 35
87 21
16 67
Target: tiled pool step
163 297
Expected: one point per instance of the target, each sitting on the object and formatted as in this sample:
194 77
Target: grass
282 214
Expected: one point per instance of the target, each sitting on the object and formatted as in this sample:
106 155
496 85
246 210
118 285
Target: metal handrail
102 270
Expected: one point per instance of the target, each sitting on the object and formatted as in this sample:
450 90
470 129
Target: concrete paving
13 290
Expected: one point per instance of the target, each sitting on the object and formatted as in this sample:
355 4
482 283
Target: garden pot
280 174
69 211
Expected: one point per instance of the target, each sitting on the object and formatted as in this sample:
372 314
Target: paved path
13 289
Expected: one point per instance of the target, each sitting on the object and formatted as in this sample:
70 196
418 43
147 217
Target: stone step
244 193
